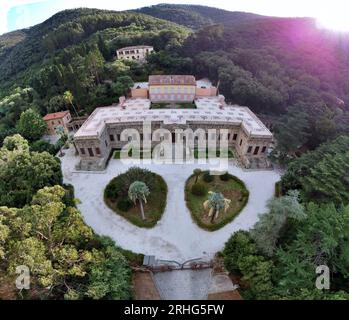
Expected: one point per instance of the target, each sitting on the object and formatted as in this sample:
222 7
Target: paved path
183 284
175 236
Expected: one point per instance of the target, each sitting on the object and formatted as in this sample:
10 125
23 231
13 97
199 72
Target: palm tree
197 173
138 190
60 132
69 98
216 202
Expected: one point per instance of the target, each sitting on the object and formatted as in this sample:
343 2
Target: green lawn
117 154
176 105
233 189
153 209
216 153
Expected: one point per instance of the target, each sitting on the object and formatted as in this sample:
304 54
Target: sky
18 14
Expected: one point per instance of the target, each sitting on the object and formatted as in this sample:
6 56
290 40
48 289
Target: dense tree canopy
31 125
23 173
283 212
65 259
290 272
321 175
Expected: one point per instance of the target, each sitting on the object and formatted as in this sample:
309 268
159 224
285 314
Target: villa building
172 88
138 53
57 119
104 131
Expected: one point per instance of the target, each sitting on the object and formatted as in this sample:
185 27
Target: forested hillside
194 16
74 52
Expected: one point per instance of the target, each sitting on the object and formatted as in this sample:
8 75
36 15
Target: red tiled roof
56 115
172 80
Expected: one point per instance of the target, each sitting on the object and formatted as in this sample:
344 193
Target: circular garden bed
116 196
200 186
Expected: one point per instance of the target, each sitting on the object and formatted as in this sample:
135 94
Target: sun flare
336 21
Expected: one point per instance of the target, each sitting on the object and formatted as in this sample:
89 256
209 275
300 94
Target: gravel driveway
175 236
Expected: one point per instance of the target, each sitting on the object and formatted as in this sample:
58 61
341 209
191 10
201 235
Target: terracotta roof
135 47
170 80
56 115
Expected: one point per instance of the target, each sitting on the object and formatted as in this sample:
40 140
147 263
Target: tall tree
31 125
267 231
317 243
69 98
65 258
139 191
23 173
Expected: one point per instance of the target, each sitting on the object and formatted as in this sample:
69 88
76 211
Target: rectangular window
98 151
235 136
118 137
256 150
106 143
228 136
249 150
82 151
111 137
90 152
240 142
264 149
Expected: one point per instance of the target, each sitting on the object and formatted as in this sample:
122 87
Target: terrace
208 110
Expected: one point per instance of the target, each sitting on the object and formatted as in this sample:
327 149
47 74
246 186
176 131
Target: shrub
278 189
123 181
199 189
207 177
41 146
124 204
225 177
197 173
110 192
241 257
69 198
240 244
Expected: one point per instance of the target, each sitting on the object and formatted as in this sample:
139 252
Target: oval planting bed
138 195
214 200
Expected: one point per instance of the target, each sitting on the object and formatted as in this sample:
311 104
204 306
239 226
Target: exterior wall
139 93
54 123
97 150
205 92
139 54
93 152
172 93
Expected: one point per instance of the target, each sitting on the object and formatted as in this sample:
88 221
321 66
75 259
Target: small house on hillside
138 53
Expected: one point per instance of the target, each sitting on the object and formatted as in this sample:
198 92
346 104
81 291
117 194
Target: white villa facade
138 53
103 131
